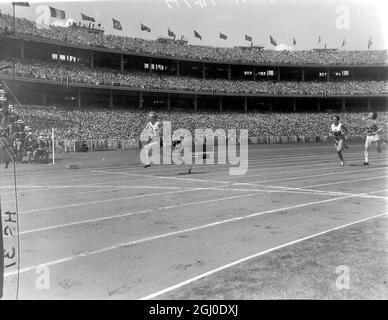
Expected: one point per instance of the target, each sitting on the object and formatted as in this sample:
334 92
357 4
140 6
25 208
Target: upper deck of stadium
82 39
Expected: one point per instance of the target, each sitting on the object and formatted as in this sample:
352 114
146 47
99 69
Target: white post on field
53 144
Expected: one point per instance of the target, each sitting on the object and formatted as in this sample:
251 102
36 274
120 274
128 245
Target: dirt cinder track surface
114 230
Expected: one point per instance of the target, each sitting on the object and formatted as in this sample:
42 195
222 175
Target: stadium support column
278 73
22 49
177 68
121 63
44 95
302 73
141 100
195 103
203 71
168 102
270 104
92 60
229 72
343 104
294 104
369 104
58 54
150 65
246 104
254 73
79 97
319 105
328 75
220 103
110 98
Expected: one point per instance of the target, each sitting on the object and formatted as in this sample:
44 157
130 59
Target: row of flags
370 42
60 14
55 13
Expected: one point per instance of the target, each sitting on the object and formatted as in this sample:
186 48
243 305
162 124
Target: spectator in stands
81 36
127 124
78 73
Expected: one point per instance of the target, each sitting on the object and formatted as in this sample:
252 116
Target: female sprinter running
153 130
373 134
177 147
338 131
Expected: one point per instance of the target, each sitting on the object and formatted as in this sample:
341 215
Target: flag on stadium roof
117 24
56 13
343 43
223 36
319 39
273 41
294 41
248 38
21 4
144 28
171 33
87 18
370 42
197 35
325 46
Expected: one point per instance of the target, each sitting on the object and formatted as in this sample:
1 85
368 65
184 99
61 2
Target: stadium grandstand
89 85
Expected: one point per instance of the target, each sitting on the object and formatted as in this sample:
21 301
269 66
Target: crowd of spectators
18 139
78 73
103 123
80 36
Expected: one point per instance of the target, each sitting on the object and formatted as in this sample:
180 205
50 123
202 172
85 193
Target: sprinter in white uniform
338 131
373 135
153 129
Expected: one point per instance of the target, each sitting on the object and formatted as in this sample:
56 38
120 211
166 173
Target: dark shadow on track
187 173
366 167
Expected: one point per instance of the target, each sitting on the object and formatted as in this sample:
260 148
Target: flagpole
53 144
14 36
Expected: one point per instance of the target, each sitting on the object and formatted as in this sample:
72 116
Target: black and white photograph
212 151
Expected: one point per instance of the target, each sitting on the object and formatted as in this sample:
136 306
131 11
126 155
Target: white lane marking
280 160
162 193
141 179
343 182
318 175
307 188
257 191
136 165
104 186
110 200
306 191
137 212
230 182
264 160
169 234
99 189
174 178
168 178
36 188
258 254
323 164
